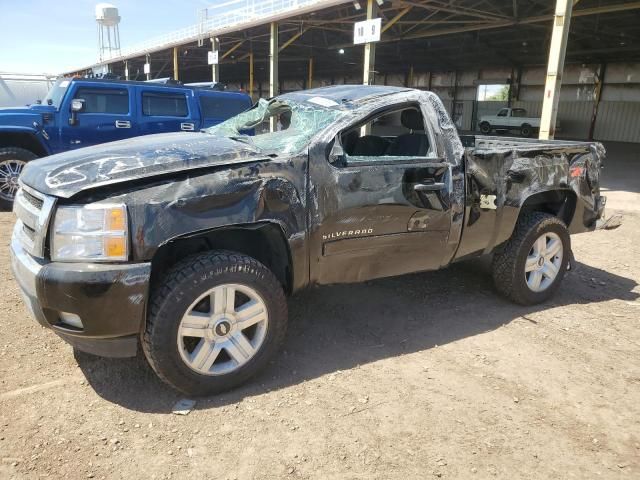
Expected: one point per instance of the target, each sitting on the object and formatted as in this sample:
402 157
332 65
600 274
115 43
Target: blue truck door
108 115
165 109
216 107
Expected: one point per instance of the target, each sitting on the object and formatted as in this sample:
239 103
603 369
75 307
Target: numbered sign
367 31
212 57
147 68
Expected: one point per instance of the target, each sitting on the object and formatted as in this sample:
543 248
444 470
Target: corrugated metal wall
618 114
618 121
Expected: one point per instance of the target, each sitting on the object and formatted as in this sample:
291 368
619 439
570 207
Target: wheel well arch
560 203
26 140
263 241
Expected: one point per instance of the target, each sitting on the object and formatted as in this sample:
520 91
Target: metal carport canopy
490 33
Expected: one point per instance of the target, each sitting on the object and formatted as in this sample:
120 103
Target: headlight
91 232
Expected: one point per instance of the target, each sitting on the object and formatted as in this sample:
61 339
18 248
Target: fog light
71 319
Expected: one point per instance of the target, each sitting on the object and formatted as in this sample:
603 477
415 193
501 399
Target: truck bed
515 171
481 143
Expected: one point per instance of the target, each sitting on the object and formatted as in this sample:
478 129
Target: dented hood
69 173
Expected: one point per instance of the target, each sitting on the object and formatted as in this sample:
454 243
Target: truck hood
69 173
23 116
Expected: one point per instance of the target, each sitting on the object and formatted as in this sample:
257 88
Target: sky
38 36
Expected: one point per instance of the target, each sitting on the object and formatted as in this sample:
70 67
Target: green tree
502 94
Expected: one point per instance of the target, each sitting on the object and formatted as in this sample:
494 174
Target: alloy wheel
543 262
223 329
10 171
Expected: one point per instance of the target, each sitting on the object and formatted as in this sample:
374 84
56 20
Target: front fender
31 133
173 208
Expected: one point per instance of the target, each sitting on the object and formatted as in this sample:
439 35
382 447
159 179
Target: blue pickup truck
81 112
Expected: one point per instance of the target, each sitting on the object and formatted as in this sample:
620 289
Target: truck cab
78 113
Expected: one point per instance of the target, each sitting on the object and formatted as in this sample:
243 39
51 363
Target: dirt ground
424 376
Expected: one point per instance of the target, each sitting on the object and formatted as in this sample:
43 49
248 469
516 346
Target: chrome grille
33 210
32 199
29 232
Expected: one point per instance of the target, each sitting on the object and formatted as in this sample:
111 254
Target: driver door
108 115
382 208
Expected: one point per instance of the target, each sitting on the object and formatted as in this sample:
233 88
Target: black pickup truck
189 243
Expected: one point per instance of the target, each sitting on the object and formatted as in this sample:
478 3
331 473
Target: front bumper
109 299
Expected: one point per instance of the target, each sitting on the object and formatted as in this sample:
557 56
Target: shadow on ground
339 327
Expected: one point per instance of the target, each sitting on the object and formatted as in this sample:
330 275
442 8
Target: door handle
187 127
123 124
428 187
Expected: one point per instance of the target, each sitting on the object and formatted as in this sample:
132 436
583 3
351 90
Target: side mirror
77 105
336 155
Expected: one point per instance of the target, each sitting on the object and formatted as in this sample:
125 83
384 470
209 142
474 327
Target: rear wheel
215 321
12 161
485 128
526 130
532 264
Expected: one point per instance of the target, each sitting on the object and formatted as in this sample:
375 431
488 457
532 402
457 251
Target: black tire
485 128
526 130
183 285
6 155
509 262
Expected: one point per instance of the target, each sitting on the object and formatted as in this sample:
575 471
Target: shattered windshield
278 126
55 95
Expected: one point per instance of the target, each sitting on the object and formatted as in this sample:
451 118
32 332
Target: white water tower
108 32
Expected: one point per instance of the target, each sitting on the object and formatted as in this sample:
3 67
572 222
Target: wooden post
557 53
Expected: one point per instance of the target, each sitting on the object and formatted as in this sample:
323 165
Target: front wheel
12 161
532 264
215 320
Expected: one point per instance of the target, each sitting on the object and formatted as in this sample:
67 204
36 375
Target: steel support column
175 63
251 75
596 101
273 68
215 68
557 52
370 48
310 72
